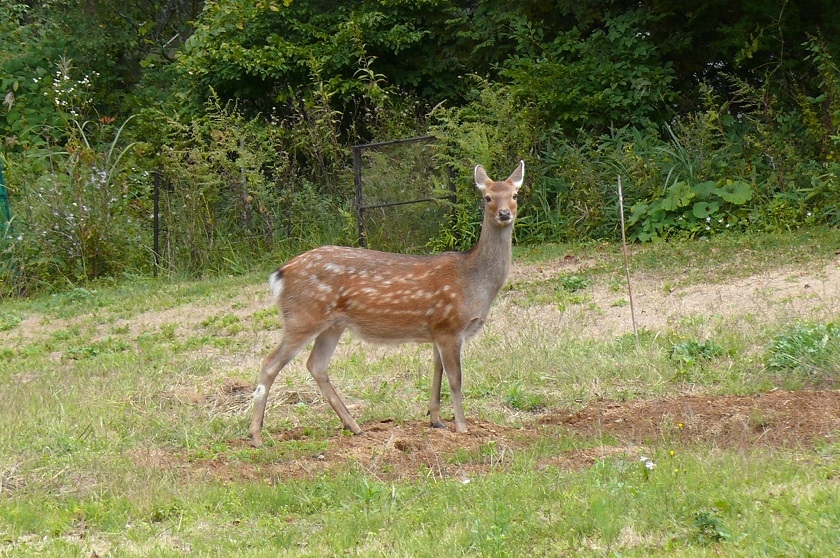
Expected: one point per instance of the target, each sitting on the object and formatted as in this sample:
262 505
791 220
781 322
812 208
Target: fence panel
403 196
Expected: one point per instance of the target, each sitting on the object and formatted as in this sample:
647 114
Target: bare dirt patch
800 421
786 292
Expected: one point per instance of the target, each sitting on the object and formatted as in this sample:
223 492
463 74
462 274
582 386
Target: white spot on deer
259 393
332 268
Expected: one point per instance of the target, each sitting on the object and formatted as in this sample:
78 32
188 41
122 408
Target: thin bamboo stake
626 263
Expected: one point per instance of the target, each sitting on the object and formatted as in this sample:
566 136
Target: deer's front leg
437 377
450 354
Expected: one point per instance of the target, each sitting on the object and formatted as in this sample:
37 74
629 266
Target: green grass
700 503
125 409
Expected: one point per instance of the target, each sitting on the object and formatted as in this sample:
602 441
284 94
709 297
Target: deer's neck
489 260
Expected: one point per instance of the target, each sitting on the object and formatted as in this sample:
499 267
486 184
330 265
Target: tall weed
78 209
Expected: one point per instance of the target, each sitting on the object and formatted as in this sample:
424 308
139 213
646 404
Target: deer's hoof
438 424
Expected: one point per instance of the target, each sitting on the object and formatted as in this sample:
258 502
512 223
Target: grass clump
691 352
809 348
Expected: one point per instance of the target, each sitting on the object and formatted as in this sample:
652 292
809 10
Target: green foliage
691 210
9 321
249 110
626 80
270 51
809 348
26 104
220 198
691 352
494 130
231 192
708 528
397 175
518 397
81 210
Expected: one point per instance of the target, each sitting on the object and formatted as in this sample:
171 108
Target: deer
392 298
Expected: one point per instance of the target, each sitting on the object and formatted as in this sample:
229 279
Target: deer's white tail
393 298
275 283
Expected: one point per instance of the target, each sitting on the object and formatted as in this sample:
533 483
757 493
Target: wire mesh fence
403 196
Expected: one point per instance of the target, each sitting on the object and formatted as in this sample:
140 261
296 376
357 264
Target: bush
625 83
495 130
78 210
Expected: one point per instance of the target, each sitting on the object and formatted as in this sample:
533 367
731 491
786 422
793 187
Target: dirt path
787 291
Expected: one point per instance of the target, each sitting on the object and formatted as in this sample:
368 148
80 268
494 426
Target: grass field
125 410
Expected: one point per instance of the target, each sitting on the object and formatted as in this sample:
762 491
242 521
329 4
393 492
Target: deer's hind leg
319 358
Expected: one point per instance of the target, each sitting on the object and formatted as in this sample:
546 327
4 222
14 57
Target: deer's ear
481 178
518 176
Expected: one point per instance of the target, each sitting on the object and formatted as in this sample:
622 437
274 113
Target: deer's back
382 297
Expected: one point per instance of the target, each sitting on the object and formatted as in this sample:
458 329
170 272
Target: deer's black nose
504 215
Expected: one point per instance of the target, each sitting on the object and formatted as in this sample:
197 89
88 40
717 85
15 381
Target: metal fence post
360 206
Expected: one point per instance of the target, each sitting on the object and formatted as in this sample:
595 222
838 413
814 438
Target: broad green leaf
679 195
704 189
736 192
637 212
702 209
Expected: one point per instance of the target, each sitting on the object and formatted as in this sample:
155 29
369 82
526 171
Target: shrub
78 210
495 130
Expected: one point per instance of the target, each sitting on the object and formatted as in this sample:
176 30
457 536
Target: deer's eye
515 197
488 199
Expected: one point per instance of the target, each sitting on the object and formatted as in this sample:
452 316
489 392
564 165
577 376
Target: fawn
392 298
